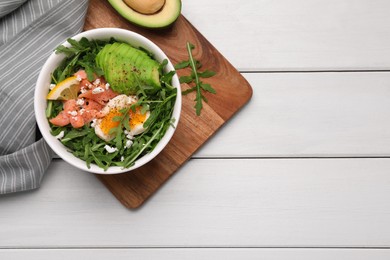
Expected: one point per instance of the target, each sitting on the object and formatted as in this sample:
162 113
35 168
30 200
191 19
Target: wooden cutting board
233 91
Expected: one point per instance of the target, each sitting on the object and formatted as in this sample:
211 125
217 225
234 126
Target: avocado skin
128 69
160 20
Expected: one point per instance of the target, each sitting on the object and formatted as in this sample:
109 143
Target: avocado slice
128 69
167 15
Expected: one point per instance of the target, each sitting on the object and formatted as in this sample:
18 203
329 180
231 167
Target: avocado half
161 19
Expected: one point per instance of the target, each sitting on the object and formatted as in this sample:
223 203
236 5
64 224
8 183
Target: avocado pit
145 6
154 14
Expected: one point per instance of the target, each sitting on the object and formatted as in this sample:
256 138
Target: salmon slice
70 106
84 84
77 121
81 74
92 105
101 97
89 115
62 119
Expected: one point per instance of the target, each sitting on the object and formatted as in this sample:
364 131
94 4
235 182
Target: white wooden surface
196 254
211 203
302 172
309 114
296 35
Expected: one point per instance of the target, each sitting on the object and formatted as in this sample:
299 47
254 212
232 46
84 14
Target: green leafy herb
182 65
80 55
194 79
73 134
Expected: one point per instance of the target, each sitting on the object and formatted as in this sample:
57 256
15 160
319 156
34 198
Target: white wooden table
302 172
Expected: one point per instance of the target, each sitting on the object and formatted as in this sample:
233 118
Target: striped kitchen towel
29 31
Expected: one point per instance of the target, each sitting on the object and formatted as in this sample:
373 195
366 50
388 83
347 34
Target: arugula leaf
182 65
187 91
194 78
186 79
208 88
206 74
80 55
74 133
131 159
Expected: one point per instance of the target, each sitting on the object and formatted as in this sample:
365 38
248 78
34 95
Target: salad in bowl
107 101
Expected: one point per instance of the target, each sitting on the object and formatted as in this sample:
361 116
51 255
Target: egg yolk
107 123
136 118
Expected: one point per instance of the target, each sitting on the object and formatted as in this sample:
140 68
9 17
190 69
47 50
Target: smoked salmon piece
81 74
92 105
62 119
99 94
77 121
70 105
91 114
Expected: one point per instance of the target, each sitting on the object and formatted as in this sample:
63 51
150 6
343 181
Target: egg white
139 128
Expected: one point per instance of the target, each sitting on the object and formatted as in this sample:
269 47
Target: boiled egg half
103 125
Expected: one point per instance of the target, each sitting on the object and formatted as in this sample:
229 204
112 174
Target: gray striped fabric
7 6
27 37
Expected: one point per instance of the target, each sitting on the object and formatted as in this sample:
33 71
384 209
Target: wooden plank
296 35
211 203
309 114
192 130
195 254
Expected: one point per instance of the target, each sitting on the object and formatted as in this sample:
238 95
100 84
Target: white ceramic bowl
42 88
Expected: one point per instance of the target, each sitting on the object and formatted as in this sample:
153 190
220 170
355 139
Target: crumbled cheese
60 135
83 90
52 86
80 102
79 78
72 113
96 82
90 86
93 124
107 86
82 111
110 149
128 135
97 90
128 143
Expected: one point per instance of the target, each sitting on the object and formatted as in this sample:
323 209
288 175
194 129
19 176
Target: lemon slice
65 90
